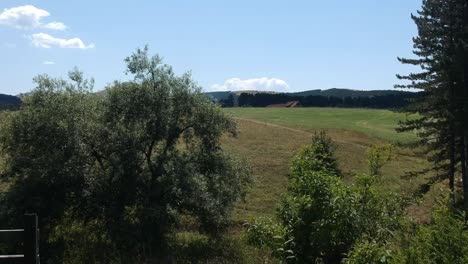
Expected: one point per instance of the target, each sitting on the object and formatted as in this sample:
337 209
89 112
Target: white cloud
55 26
48 62
44 40
28 17
259 84
23 17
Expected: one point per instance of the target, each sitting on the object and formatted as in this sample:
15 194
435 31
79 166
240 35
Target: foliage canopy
126 162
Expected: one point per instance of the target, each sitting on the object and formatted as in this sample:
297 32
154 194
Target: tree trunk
465 105
452 164
452 108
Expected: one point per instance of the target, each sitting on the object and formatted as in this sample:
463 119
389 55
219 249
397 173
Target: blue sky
243 44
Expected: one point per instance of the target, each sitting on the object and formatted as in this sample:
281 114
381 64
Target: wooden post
30 244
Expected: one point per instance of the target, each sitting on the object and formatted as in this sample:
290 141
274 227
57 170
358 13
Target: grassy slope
374 123
269 137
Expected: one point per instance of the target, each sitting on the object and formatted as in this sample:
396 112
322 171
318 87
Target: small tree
378 156
321 217
320 155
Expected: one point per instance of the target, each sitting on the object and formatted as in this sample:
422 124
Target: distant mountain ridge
13 102
335 97
343 92
335 92
9 102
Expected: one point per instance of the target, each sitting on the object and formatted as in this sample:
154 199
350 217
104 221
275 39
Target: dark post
30 244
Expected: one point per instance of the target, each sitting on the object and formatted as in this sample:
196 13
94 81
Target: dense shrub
82 242
321 217
371 252
378 156
443 241
318 156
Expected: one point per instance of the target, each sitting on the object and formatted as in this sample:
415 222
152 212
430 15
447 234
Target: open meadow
269 137
374 123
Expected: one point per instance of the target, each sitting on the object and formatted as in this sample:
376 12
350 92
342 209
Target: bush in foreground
321 217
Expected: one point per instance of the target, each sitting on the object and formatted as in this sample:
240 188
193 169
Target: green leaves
378 156
321 218
132 158
440 55
318 156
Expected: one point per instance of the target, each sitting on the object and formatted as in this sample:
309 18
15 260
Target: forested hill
312 98
218 96
9 102
336 92
335 97
341 92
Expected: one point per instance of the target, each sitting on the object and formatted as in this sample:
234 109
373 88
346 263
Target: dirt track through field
295 130
310 134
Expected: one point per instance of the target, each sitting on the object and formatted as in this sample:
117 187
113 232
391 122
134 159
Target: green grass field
374 123
269 137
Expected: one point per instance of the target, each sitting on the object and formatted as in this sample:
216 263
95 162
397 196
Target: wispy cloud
44 40
259 84
27 17
48 62
55 26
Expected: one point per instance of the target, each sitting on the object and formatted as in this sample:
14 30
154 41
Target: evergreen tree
437 47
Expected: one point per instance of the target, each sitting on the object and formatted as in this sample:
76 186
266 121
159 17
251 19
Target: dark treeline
265 99
9 102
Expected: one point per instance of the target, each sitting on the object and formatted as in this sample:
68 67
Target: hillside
9 102
335 92
217 96
378 99
341 92
224 95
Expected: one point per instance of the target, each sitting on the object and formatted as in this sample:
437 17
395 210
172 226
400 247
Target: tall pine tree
438 48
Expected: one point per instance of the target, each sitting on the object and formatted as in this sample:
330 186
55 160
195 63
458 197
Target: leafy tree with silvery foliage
129 160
